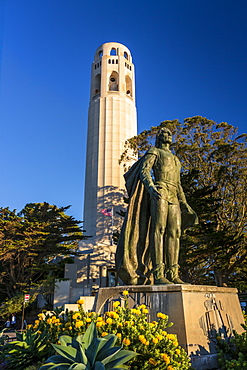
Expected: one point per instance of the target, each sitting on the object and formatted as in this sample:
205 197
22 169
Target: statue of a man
150 238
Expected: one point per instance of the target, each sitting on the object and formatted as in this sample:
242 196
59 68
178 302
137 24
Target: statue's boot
159 278
172 275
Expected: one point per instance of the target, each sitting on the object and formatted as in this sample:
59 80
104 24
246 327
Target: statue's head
163 136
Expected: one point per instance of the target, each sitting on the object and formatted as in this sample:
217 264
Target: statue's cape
132 255
133 260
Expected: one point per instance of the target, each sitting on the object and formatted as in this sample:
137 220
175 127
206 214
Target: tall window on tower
113 81
96 85
113 51
128 83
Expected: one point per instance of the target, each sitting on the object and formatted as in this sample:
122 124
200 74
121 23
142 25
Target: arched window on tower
128 83
126 55
113 51
113 81
100 54
97 84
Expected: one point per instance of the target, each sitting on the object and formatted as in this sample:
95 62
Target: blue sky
190 58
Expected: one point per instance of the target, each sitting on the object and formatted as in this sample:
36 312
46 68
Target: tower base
199 313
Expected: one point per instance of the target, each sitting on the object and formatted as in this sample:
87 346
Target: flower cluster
155 346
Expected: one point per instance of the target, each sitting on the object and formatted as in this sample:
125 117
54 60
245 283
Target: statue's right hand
154 194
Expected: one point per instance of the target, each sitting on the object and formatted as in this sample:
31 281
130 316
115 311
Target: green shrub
29 348
88 352
232 354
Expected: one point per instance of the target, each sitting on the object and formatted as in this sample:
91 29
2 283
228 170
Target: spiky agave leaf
118 359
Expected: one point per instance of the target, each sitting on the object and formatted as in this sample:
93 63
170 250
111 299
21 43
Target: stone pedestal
199 313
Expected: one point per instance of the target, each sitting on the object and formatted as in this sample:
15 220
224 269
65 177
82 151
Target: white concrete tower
111 120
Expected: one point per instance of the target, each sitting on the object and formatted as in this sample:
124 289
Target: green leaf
89 336
51 366
118 359
81 356
56 359
92 350
108 353
65 339
67 352
77 367
111 340
99 366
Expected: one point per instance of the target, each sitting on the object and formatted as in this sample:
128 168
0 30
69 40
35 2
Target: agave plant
88 352
29 348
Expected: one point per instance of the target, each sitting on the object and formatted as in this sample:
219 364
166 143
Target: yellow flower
104 334
151 325
115 304
39 332
164 333
41 316
161 315
88 319
177 351
155 340
57 320
175 343
70 327
99 318
152 361
36 322
48 321
126 322
80 301
125 292
53 317
138 312
79 323
126 341
166 358
170 367
141 337
146 343
76 315
171 336
99 324
120 324
113 314
145 310
142 306
109 321
29 326
119 335
159 337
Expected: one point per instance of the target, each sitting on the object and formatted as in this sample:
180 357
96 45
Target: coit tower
111 121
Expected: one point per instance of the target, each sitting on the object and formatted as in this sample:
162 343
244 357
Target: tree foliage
214 169
29 242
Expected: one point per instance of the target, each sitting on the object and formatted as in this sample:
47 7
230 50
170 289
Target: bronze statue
148 247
